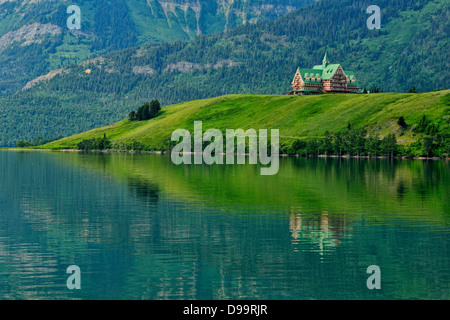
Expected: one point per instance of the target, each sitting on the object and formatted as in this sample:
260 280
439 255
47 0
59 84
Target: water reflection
142 228
144 190
323 230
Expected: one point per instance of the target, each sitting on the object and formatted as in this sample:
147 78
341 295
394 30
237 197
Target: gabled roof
350 75
304 72
328 71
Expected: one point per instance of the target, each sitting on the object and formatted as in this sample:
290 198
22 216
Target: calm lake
140 227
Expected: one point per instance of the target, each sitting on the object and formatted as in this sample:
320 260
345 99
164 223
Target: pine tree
402 123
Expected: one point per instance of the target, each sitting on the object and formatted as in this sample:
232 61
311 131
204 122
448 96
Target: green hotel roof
310 72
328 70
325 72
304 71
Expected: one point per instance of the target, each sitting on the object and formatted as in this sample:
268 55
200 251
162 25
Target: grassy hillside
297 117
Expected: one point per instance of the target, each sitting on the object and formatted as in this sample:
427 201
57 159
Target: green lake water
140 227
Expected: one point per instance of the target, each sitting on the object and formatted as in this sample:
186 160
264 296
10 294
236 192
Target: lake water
140 227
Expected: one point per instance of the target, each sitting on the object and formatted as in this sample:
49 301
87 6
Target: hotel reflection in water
322 231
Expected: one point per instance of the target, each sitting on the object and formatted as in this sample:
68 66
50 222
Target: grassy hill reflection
378 187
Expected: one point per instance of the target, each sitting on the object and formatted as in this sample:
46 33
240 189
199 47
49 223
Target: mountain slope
169 20
34 38
295 116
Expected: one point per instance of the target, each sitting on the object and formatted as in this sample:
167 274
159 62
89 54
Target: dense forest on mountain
34 38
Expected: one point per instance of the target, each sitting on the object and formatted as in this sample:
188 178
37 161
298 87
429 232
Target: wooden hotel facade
324 78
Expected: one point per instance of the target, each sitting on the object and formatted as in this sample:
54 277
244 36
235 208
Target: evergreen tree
373 145
155 107
327 143
388 145
401 122
359 141
146 111
428 145
338 143
140 113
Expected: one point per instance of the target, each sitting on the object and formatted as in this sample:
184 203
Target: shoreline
280 155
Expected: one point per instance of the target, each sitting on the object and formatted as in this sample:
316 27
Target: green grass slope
410 49
295 116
